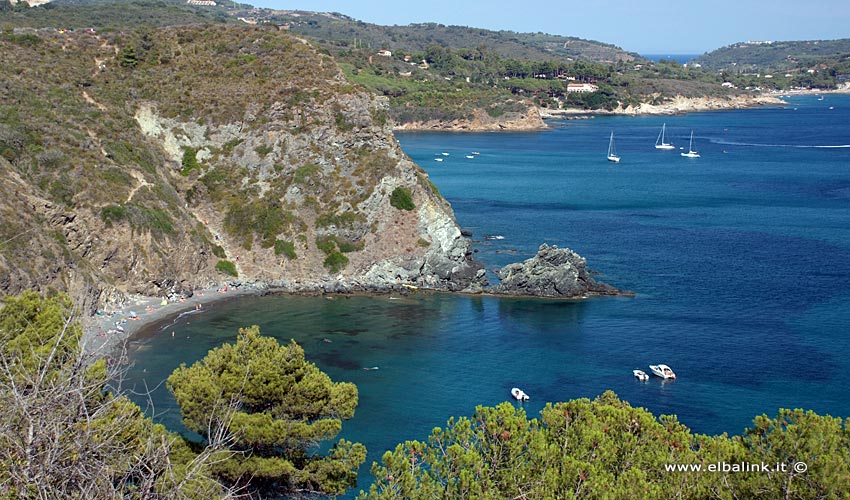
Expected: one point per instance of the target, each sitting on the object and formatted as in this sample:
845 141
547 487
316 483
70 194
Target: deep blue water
740 260
680 58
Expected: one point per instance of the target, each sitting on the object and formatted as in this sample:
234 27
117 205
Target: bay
740 261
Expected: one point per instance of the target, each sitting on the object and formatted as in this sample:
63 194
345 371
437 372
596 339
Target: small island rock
553 272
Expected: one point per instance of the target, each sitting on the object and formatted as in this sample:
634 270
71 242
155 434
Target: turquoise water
740 260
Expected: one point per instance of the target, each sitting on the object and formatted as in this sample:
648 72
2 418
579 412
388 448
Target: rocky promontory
676 105
481 121
553 272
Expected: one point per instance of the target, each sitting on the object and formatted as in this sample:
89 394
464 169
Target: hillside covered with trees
782 65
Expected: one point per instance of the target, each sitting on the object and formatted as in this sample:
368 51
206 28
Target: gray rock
553 272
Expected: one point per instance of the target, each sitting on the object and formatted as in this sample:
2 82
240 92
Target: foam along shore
104 332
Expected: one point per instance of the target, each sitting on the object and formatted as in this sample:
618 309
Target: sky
642 26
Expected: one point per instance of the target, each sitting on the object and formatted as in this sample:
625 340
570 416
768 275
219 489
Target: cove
740 260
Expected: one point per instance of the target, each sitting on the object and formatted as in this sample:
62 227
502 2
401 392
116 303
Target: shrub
219 252
228 146
335 262
190 161
304 173
227 267
402 199
286 248
263 149
346 246
327 244
112 213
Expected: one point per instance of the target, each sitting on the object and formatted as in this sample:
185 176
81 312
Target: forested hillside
823 64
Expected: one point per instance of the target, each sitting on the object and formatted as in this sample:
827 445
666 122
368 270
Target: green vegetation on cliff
153 153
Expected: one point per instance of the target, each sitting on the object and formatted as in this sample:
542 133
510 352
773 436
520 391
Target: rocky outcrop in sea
553 272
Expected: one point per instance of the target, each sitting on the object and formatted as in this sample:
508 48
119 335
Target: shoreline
676 106
101 335
101 338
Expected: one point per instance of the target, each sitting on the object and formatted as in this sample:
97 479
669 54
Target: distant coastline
534 120
679 58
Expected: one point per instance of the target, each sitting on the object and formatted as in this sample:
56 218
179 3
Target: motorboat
519 395
641 375
663 371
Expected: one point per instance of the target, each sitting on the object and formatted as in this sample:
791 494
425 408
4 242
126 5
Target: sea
679 58
739 260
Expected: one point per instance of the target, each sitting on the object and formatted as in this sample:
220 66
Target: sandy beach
109 329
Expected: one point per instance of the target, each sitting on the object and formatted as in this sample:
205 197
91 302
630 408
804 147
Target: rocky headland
554 272
534 118
481 121
156 164
271 173
676 105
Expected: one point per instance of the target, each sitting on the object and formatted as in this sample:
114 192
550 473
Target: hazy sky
643 26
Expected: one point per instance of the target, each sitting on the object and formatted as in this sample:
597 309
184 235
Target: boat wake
177 318
758 145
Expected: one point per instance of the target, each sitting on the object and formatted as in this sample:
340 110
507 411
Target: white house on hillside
581 87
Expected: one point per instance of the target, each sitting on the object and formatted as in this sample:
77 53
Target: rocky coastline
535 118
676 105
552 273
529 121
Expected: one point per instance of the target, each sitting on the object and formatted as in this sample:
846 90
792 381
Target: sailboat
660 143
612 151
691 153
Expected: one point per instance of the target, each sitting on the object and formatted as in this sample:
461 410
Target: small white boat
663 371
691 153
438 159
612 150
470 156
519 395
640 375
661 142
444 154
476 153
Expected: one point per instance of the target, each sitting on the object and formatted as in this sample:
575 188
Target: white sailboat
691 153
612 150
660 143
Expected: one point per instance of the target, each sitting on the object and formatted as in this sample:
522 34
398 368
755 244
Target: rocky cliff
481 121
679 104
162 161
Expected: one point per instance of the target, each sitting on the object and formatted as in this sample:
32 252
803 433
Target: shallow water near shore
740 260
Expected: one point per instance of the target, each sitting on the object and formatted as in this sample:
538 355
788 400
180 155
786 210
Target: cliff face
680 104
152 162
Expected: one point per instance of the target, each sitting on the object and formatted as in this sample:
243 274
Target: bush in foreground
606 449
284 406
